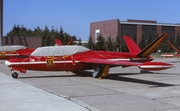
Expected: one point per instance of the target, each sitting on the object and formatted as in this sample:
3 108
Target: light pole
1 21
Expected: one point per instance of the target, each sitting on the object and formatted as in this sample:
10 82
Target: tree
170 49
48 41
124 48
142 42
171 39
53 36
100 45
45 37
48 36
109 44
61 33
163 47
37 32
79 41
177 40
134 38
118 44
149 39
90 43
66 38
14 31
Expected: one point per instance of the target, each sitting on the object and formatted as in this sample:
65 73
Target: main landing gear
101 71
14 75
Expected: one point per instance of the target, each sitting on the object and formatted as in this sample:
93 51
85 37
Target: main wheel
15 75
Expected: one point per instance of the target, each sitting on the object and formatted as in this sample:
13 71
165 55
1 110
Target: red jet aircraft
12 51
175 48
8 52
75 58
59 43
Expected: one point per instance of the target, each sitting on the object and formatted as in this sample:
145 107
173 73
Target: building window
97 34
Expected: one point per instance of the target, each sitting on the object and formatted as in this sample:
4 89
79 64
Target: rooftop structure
131 27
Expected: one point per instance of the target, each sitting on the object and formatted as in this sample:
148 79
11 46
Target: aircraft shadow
175 61
113 76
139 81
51 76
81 73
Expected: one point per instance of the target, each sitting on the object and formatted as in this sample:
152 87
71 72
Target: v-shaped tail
152 46
132 46
59 43
174 47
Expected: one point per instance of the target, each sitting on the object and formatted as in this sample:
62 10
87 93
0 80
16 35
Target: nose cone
7 63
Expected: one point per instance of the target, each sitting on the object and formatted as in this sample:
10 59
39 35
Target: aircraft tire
15 75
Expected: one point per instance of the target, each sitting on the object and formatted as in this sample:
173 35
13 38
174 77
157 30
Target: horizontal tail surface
174 47
59 43
70 41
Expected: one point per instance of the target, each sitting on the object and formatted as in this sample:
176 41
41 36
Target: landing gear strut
101 71
14 75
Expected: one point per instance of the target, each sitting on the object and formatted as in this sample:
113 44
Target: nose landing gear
14 75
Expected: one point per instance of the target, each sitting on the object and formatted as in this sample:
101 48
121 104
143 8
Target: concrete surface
16 95
126 90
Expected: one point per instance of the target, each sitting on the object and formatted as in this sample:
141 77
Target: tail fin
152 46
174 47
58 42
70 41
132 46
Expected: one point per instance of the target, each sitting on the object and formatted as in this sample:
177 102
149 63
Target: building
31 42
115 27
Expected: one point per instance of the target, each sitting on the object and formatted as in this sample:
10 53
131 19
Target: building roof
143 22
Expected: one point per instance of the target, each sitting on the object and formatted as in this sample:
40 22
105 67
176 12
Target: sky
75 16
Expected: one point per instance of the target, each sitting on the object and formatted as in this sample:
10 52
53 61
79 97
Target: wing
153 66
108 62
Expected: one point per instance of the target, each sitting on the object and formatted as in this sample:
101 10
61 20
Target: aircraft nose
7 63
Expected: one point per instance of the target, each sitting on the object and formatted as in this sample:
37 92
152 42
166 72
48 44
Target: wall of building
170 30
127 29
148 30
133 28
105 28
32 42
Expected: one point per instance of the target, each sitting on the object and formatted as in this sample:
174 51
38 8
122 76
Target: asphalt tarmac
125 90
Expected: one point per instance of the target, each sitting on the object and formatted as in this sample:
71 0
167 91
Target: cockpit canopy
11 48
59 50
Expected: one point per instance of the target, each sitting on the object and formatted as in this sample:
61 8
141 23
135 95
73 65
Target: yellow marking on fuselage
2 54
51 57
13 51
49 62
65 56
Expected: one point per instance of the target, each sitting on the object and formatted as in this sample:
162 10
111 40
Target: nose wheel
15 75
